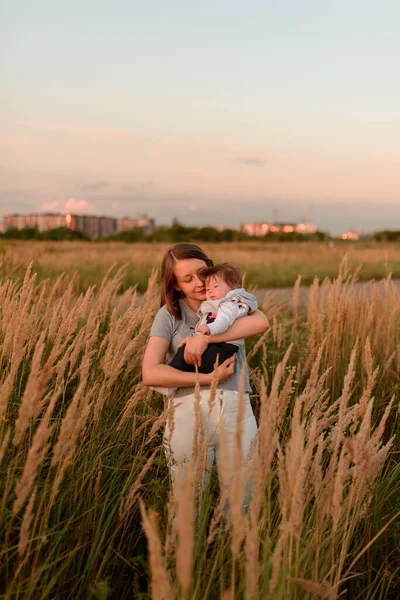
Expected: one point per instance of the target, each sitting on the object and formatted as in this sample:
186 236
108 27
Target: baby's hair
228 273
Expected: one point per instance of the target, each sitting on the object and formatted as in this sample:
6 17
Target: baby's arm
204 329
227 314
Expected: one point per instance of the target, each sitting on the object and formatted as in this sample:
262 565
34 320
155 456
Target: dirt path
284 295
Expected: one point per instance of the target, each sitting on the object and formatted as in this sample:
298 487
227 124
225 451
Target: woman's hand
226 370
195 346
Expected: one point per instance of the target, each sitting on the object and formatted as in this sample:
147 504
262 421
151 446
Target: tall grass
86 506
266 265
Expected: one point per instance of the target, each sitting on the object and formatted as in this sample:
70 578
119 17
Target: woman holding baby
185 274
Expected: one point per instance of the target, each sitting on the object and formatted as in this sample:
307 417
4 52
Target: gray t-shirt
175 330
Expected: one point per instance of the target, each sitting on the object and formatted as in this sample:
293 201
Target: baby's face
216 288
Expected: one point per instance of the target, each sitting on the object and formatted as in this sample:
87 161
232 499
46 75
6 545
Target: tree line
178 232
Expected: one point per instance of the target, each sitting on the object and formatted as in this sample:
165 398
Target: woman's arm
158 374
244 327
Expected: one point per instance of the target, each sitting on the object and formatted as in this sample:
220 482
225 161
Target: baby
225 302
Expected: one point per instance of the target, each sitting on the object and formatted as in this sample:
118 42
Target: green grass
265 277
266 265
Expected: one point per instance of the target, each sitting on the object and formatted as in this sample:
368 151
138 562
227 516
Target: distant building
90 225
75 222
107 226
353 235
255 229
260 229
306 228
129 223
44 222
15 222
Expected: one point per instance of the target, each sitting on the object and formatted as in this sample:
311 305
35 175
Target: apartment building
107 226
257 228
143 222
92 226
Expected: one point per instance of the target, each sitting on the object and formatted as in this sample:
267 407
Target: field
86 507
266 265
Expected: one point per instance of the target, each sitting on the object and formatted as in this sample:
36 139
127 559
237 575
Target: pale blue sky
217 111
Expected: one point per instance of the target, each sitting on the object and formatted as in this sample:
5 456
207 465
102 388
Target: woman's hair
169 294
226 271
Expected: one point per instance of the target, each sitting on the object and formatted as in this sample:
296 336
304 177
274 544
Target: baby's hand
203 329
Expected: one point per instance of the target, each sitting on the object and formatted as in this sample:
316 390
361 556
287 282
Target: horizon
235 226
211 114
188 216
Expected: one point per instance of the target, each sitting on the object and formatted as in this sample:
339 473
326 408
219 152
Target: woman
182 292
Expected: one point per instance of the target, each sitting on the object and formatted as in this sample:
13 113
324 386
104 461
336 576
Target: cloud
72 205
51 206
13 193
93 187
97 189
251 162
135 188
74 129
13 206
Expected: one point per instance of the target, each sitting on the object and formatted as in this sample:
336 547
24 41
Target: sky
214 112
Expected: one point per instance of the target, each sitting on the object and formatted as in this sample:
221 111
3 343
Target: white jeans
179 436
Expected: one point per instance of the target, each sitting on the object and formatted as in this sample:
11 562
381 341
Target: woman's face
187 279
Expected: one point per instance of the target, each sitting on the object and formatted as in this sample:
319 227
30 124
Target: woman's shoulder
163 324
163 314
